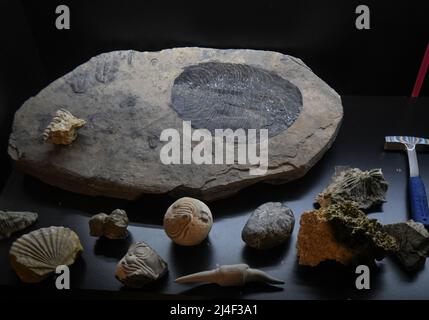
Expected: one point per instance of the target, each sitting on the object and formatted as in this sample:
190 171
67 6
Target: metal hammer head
404 142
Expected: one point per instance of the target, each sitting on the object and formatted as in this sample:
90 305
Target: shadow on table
331 280
112 248
216 291
264 258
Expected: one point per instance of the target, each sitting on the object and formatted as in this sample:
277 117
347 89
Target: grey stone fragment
413 241
270 225
128 98
13 221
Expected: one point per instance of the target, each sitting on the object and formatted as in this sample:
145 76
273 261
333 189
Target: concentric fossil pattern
128 98
36 255
140 266
188 221
11 222
215 95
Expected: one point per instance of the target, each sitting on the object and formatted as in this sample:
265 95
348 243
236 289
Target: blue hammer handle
419 202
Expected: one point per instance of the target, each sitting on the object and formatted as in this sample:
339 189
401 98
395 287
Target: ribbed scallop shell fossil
188 221
37 254
112 226
11 221
63 128
141 265
230 275
365 188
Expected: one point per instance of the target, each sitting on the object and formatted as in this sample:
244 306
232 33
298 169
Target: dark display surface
359 143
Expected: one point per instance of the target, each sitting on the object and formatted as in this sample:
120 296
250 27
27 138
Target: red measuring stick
421 75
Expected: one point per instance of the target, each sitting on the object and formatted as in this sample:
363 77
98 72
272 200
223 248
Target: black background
376 62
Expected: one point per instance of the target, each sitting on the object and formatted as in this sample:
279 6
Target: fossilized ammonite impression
37 254
63 128
188 221
215 95
141 265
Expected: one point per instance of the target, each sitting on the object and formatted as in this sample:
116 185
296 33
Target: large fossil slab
128 98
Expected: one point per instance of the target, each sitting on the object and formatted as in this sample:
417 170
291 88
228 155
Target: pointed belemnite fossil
11 221
230 275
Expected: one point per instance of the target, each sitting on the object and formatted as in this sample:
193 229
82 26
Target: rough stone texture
343 233
354 228
126 99
413 241
365 188
12 221
270 225
112 226
317 242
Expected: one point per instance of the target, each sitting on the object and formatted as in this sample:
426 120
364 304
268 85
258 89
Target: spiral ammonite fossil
188 221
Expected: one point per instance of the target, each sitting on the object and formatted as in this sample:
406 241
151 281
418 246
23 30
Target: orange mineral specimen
317 243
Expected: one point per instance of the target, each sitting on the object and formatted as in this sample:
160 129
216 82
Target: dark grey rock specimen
270 225
217 95
128 98
413 241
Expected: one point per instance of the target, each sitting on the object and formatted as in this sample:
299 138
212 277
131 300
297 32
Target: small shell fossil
112 226
366 188
141 265
188 221
37 254
63 128
11 222
230 275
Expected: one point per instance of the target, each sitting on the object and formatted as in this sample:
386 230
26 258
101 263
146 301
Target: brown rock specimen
317 243
112 226
343 233
63 128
